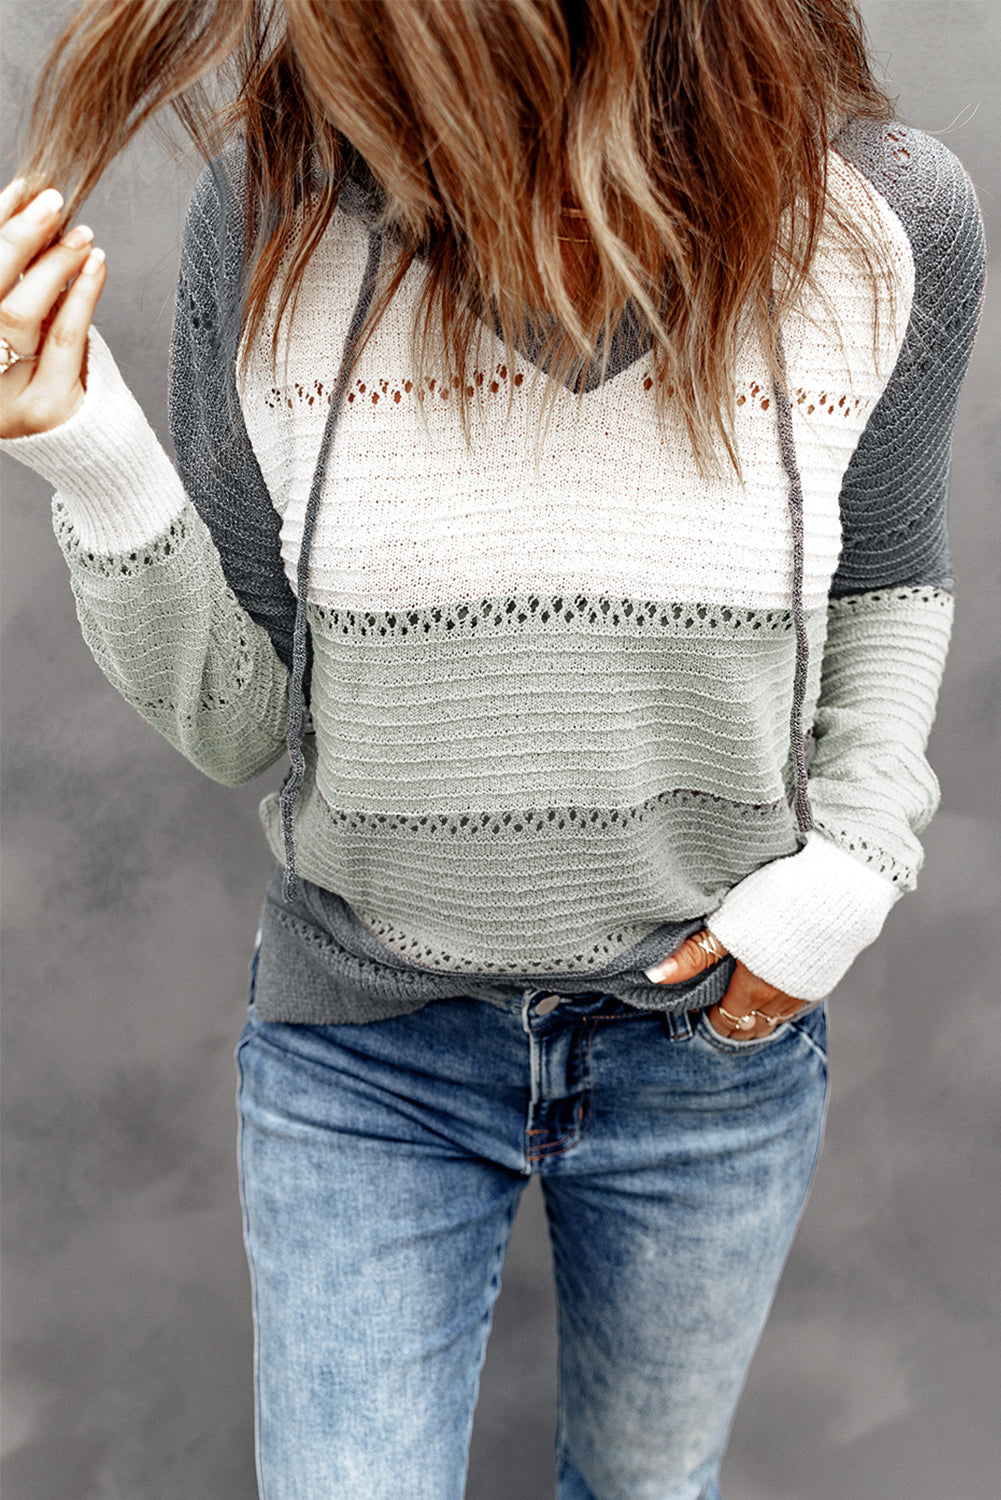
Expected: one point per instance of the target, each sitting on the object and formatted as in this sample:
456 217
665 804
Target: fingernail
45 205
15 189
660 972
78 237
93 263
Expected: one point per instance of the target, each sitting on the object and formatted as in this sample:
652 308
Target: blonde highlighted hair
688 139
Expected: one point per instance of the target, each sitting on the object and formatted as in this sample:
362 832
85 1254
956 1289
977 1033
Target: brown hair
690 137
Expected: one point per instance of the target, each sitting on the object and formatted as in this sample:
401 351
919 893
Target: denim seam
821 1133
582 1117
565 1142
798 1026
255 1304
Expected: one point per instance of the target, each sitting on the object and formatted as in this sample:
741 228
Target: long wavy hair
684 142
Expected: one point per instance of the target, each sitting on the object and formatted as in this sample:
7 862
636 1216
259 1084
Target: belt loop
678 1025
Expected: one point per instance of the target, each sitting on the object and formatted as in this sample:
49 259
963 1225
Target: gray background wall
131 893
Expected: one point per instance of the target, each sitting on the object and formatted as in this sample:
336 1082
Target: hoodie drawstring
797 739
293 782
787 448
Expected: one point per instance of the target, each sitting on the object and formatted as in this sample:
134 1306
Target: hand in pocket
751 1008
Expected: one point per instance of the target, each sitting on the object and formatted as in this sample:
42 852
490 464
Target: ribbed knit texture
114 477
214 456
894 514
169 634
552 702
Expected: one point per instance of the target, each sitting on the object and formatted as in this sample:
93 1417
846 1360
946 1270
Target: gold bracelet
739 1022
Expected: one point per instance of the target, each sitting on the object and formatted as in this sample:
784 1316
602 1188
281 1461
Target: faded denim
381 1167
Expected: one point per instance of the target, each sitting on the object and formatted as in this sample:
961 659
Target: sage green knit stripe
512 901
546 718
169 634
871 788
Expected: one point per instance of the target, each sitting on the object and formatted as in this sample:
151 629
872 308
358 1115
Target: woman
619 599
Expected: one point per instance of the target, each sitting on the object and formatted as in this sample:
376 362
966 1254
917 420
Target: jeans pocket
810 1024
705 1029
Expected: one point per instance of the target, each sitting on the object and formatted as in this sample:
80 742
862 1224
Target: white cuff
800 922
119 488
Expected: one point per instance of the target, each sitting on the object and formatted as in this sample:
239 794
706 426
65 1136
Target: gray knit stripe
290 791
787 447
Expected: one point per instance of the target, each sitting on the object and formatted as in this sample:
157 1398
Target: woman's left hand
751 1008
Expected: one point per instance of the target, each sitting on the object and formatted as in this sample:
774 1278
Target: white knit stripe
411 517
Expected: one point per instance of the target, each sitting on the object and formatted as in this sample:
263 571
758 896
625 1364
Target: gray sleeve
215 459
893 498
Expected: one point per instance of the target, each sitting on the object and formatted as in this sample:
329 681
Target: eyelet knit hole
554 612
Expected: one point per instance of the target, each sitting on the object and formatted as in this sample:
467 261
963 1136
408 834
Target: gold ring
9 355
710 945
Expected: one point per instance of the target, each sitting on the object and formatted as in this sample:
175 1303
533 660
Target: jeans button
546 1005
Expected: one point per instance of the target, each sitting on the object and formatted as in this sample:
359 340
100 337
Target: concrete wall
131 893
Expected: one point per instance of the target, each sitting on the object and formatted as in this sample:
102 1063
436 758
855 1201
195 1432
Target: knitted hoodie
559 710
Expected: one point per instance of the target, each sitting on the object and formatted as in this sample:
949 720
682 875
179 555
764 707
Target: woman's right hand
40 320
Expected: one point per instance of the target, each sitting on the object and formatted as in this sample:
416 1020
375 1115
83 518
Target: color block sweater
550 699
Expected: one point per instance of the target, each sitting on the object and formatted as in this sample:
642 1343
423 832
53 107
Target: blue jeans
381 1167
